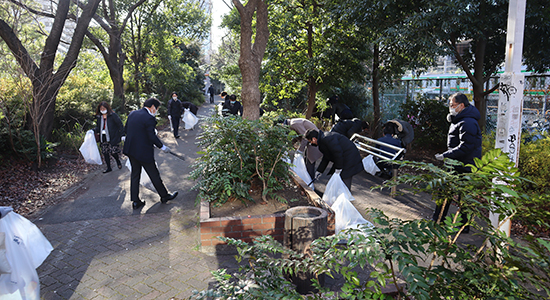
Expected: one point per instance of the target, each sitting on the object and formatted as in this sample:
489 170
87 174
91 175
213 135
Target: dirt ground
237 208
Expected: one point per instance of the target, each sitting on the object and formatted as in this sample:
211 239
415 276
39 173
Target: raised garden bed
247 227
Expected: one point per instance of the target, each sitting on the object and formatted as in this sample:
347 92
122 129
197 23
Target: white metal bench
369 146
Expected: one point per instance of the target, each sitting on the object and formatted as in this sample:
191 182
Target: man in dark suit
138 146
339 150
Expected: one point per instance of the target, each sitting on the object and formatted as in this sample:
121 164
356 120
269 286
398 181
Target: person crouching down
339 150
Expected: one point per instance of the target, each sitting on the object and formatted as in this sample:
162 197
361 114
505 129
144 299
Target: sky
219 8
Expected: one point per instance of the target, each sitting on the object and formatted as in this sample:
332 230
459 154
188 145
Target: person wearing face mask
232 106
339 150
463 140
110 129
175 109
138 146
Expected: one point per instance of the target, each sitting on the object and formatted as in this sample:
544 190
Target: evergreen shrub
235 152
428 118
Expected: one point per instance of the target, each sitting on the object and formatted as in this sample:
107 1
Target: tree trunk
376 92
46 83
478 82
312 89
252 54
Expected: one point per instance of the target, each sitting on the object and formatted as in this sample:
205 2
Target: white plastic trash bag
334 188
190 119
26 250
144 179
346 215
89 149
300 168
369 165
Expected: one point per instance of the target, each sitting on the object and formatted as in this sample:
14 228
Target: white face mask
175 98
103 112
150 111
452 111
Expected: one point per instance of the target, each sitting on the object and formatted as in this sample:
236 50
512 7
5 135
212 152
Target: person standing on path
211 92
175 109
138 146
110 129
463 142
312 153
339 150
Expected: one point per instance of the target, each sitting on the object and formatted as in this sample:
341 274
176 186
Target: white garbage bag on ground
89 149
346 215
144 179
300 168
334 188
26 250
190 119
369 165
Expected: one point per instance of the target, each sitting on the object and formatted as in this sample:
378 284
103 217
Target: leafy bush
237 151
534 164
428 118
425 255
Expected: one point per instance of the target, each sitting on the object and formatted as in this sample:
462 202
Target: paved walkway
105 250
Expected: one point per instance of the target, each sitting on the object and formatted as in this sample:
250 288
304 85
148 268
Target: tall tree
310 47
253 44
395 44
162 48
474 33
109 19
46 81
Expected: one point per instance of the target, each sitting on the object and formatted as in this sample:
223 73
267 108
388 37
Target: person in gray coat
339 150
312 153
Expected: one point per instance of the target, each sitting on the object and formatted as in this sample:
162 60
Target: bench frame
365 144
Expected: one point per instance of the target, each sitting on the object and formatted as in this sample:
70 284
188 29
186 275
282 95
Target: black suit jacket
341 152
140 136
114 124
347 127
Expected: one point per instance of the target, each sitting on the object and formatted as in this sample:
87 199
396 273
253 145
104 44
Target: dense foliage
428 118
420 258
237 151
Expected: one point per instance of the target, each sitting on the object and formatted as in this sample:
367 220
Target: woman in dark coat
110 129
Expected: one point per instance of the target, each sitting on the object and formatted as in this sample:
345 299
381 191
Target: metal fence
536 108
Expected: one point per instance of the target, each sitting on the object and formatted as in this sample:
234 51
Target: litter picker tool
177 155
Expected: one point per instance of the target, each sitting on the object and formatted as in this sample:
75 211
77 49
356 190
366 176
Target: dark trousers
154 175
176 124
211 97
310 167
108 159
347 182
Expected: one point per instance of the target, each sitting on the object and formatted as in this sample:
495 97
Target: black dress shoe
108 170
118 164
169 197
138 204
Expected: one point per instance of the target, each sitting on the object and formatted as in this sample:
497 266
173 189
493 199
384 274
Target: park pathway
105 250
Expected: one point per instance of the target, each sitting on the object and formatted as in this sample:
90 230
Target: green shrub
428 118
534 164
422 254
237 151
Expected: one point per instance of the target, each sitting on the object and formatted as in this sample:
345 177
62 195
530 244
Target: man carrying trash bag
138 146
339 150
